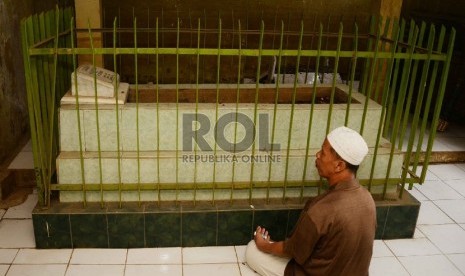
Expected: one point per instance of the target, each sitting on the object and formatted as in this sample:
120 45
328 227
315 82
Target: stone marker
106 81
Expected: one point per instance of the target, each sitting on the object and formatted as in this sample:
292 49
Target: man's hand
261 237
265 244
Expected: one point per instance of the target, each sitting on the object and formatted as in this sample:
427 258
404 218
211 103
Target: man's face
326 160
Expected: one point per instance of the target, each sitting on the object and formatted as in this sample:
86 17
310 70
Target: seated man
335 231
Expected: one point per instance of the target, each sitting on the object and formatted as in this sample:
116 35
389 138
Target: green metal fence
401 65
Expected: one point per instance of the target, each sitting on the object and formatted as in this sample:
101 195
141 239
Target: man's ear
340 165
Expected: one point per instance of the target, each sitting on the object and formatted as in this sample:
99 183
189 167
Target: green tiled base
70 225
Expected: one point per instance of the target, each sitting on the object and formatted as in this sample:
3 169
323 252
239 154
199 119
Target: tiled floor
438 247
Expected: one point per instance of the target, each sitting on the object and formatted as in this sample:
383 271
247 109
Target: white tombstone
106 81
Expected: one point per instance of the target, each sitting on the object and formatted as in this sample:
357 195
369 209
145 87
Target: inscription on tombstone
106 81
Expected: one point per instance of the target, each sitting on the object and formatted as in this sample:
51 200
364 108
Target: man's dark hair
351 167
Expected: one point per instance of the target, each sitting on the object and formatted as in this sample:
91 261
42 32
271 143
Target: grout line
69 261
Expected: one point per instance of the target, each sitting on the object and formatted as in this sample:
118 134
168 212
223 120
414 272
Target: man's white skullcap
349 144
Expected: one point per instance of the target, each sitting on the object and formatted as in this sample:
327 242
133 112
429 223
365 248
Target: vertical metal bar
418 105
404 81
275 108
410 91
148 34
387 24
432 85
163 45
291 121
96 115
385 97
311 111
136 68
55 79
287 45
413 35
372 75
246 40
390 104
45 99
177 110
364 79
309 58
158 111
326 60
196 108
190 45
43 86
43 77
119 160
81 155
333 85
120 59
26 37
204 44
440 98
34 35
352 74
232 36
218 66
238 91
52 106
257 90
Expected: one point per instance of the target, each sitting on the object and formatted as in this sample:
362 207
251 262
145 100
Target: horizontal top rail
235 52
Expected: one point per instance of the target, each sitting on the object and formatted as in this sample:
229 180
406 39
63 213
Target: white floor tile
458 185
418 234
461 166
429 266
24 210
99 256
453 208
380 249
417 194
171 255
412 247
449 238
462 225
437 146
2 213
16 233
4 269
100 270
437 189
447 171
246 270
454 143
45 256
431 214
240 252
211 269
209 255
387 266
37 270
7 255
458 260
429 174
150 270
24 160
